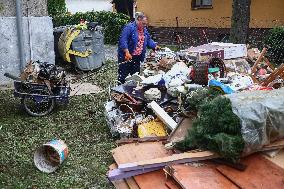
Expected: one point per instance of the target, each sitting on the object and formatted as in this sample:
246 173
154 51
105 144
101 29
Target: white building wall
74 6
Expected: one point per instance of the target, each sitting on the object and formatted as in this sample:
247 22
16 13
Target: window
201 4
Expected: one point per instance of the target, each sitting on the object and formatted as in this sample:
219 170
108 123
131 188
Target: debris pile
40 72
40 86
209 101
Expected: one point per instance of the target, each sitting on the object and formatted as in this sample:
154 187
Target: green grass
81 124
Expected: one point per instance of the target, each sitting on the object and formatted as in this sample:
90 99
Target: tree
124 6
240 21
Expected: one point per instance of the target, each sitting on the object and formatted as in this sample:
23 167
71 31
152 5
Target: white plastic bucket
50 156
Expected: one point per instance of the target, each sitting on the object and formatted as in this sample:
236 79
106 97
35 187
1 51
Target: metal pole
20 33
30 33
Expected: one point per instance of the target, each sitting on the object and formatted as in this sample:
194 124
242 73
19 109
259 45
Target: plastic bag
262 117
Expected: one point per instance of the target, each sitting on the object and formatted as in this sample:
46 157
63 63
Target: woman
134 40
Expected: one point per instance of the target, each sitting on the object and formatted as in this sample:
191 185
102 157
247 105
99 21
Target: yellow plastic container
152 128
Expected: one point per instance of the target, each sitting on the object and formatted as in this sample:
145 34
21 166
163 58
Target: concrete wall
74 6
30 7
163 13
38 43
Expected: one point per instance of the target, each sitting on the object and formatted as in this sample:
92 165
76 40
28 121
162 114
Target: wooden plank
118 184
278 159
204 176
236 165
259 59
121 183
260 173
173 159
117 174
163 116
132 183
155 180
148 155
139 151
274 146
253 54
277 72
268 63
140 140
172 184
180 132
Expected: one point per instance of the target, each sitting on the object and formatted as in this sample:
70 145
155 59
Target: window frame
195 7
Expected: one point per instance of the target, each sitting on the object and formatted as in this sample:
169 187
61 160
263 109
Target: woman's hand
157 48
128 56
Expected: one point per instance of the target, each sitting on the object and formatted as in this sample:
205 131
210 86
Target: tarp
262 117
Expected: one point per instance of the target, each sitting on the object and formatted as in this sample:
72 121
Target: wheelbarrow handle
12 76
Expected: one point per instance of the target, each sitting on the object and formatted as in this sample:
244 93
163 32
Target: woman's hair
139 15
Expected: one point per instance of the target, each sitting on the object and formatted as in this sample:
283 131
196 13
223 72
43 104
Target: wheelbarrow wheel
38 103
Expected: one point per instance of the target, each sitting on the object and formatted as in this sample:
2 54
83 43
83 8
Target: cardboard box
206 51
232 50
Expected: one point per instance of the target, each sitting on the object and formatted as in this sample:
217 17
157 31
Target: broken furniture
271 79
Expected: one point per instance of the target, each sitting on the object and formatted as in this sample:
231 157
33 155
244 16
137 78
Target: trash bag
51 72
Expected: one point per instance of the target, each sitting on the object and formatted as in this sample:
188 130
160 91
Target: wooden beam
117 174
131 183
260 173
259 59
205 176
140 140
184 158
173 159
135 152
163 116
274 146
268 63
180 132
118 184
277 72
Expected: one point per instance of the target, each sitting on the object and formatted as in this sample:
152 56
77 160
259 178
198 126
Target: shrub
112 22
275 39
217 128
56 7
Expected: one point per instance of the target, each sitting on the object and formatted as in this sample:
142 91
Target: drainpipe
20 33
134 8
